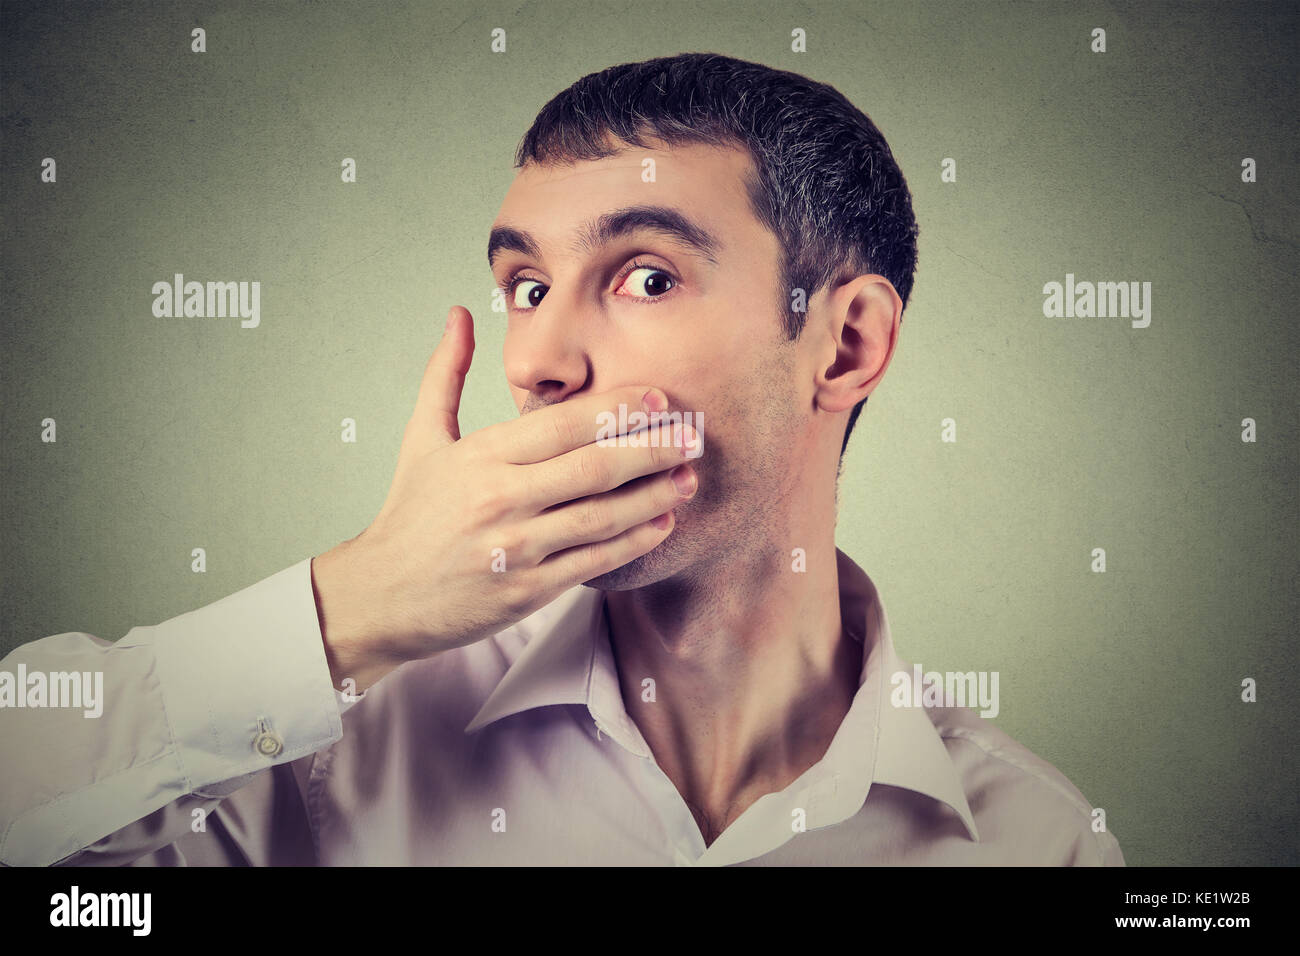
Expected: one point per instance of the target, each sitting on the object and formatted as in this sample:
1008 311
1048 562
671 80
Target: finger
601 517
437 406
556 429
597 468
577 565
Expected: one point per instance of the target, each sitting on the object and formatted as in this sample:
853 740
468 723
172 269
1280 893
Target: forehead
703 181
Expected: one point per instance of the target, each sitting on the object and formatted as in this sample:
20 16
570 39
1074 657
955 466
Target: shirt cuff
245 681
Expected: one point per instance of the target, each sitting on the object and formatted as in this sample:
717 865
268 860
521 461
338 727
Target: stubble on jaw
738 517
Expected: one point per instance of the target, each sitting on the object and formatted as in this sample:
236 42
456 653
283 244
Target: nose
544 353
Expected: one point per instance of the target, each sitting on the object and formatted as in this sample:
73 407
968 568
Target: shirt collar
567 660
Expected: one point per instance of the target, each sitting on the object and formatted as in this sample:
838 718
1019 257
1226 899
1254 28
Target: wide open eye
532 297
655 282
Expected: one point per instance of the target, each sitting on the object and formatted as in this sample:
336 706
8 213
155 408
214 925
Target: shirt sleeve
191 738
1111 855
1093 848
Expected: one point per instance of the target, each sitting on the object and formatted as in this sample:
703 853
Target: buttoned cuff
245 682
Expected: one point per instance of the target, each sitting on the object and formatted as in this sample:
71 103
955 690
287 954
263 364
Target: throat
712 825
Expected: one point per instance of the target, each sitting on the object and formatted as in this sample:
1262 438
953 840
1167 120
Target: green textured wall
1073 433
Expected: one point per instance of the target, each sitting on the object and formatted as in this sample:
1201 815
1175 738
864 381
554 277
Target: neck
753 672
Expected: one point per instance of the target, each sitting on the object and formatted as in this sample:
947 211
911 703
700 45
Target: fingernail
451 317
683 477
661 522
654 401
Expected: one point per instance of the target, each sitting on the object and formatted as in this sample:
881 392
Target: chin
650 568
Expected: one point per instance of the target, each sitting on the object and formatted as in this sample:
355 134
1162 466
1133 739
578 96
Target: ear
865 314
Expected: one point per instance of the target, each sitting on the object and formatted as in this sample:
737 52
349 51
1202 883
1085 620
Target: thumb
438 404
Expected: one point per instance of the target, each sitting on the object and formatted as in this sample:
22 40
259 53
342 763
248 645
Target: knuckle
513 542
593 555
516 596
594 519
564 428
593 469
492 504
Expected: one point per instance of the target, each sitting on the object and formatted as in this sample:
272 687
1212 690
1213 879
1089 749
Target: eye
655 282
530 299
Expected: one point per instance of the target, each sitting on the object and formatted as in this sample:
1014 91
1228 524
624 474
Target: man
692 234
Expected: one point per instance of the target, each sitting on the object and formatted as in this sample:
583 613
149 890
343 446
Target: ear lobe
867 336
843 384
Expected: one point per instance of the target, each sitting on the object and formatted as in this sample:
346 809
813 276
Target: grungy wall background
1072 433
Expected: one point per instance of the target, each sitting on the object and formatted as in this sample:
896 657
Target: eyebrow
609 226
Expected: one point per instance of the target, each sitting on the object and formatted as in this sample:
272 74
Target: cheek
675 366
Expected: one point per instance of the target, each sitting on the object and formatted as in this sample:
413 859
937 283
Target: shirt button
268 742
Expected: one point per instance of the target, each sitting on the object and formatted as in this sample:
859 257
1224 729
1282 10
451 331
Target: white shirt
224 742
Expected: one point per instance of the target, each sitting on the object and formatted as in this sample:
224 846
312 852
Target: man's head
737 235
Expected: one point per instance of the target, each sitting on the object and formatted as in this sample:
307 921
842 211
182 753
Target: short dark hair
827 184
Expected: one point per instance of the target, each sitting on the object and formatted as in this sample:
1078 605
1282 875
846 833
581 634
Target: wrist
354 639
